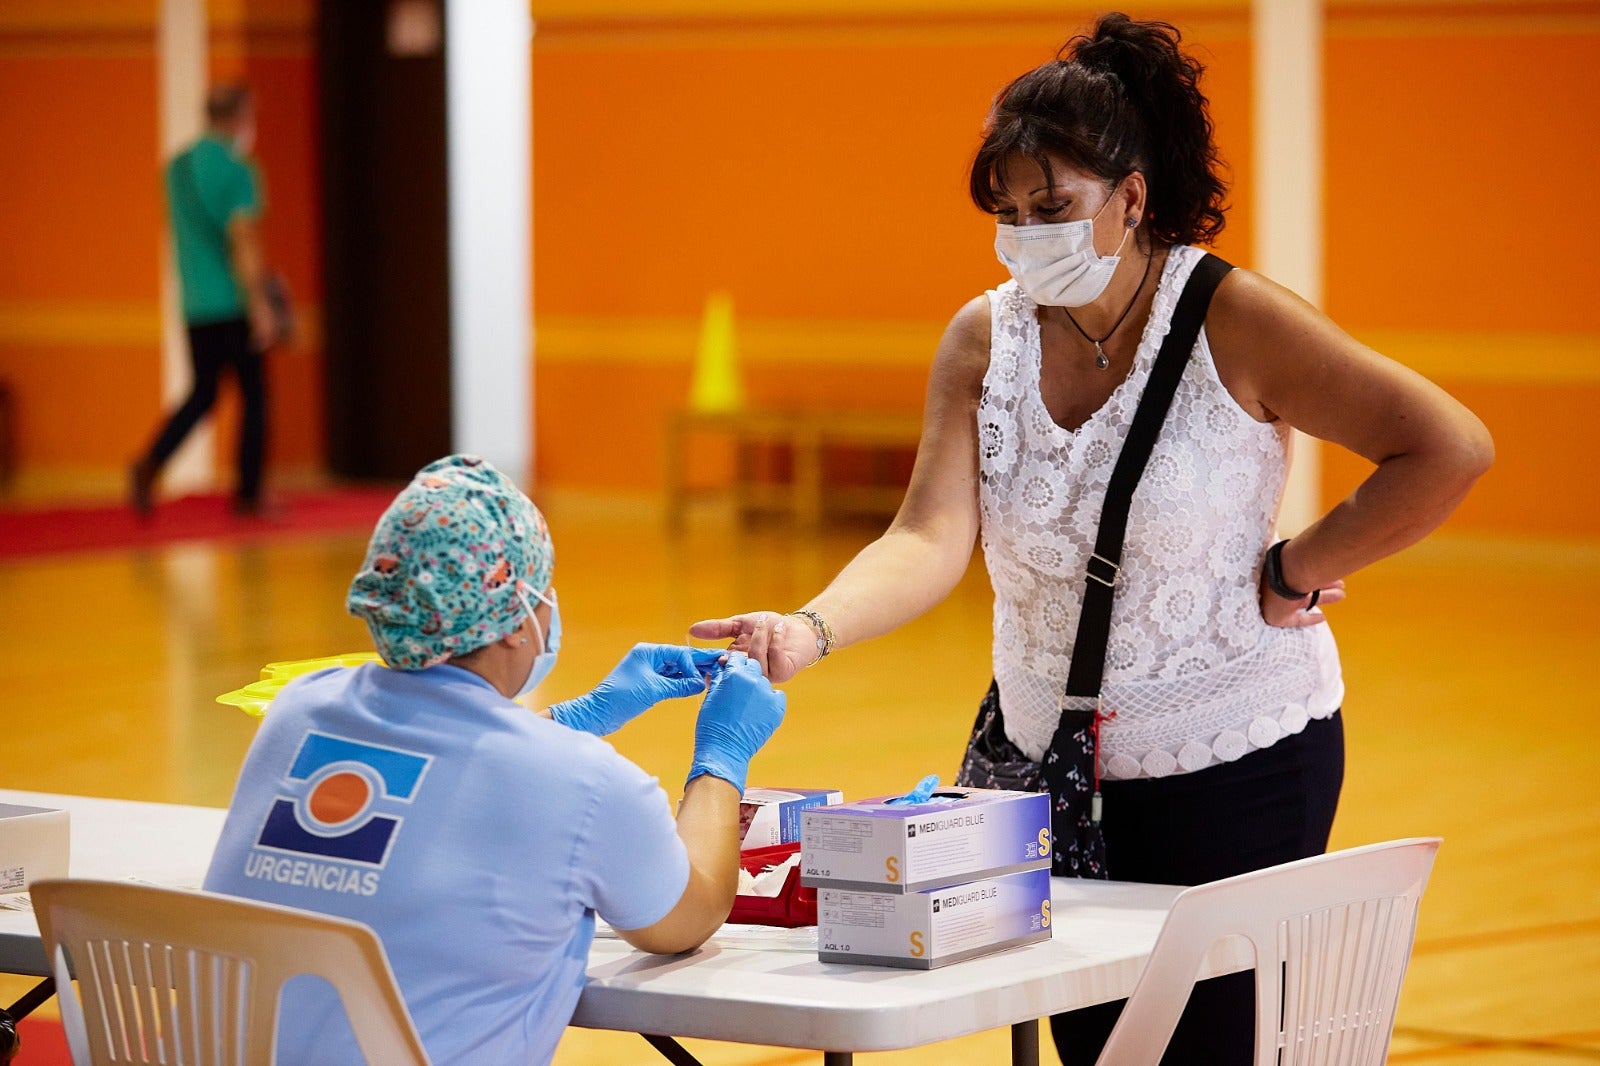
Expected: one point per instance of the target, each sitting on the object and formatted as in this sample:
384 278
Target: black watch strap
1274 571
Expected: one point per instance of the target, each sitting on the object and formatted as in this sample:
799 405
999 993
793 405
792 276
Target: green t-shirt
207 186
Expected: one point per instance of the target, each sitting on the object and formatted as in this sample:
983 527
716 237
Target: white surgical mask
545 661
1055 263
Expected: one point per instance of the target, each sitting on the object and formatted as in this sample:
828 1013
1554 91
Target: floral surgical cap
442 569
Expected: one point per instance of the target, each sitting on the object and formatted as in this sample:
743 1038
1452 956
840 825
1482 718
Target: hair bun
1161 83
1123 98
1137 53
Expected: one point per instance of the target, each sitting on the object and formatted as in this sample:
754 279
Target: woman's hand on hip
1285 613
783 644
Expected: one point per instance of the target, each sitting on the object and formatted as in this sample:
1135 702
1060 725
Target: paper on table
745 937
767 937
769 882
22 901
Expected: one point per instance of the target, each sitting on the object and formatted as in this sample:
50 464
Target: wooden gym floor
1471 713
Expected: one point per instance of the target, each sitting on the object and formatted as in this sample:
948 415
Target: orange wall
815 169
73 127
83 222
810 180
817 175
76 127
1470 205
1469 208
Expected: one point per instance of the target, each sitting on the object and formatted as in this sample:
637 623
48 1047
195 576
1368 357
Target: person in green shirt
214 201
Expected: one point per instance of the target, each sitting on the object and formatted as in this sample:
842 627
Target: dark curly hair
1121 99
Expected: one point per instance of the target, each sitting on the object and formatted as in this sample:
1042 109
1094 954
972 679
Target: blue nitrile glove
920 794
646 675
741 711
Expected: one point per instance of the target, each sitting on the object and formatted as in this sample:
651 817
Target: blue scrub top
476 837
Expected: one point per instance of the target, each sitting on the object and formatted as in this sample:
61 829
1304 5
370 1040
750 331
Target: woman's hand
1305 611
925 551
784 644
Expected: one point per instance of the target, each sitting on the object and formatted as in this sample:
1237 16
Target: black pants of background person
1271 806
213 348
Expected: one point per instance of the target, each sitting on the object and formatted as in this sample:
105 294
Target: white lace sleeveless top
1193 674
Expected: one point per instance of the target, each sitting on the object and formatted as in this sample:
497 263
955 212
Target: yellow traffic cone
716 385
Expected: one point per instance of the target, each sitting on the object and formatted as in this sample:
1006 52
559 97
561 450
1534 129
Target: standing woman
1223 751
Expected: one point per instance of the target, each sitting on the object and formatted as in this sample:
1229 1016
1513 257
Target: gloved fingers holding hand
673 670
646 675
740 713
704 663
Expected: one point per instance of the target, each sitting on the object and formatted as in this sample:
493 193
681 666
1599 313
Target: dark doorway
386 299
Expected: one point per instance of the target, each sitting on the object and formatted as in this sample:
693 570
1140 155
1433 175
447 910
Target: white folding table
746 985
735 988
116 840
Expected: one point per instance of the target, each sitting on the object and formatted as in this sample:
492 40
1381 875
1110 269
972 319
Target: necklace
1100 360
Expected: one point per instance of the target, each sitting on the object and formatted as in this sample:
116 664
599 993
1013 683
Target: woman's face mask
545 661
1055 263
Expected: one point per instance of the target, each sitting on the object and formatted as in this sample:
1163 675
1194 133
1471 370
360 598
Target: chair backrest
167 976
1332 936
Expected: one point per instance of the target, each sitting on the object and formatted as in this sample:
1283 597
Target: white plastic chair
1332 936
187 977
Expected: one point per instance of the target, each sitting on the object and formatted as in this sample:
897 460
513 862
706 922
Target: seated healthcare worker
478 838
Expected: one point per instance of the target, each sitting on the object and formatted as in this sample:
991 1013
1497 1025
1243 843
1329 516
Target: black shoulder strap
1094 621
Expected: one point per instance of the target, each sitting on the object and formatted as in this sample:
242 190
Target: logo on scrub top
335 815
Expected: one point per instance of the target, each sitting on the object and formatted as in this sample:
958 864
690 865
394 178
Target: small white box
34 845
923 930
771 816
958 835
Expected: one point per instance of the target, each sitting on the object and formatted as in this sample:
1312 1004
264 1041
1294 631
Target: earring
1132 222
524 640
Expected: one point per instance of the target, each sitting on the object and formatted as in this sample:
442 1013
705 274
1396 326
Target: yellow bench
806 434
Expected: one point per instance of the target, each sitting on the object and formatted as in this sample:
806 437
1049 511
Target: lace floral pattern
1193 674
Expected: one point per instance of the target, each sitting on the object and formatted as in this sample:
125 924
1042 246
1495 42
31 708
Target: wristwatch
1274 571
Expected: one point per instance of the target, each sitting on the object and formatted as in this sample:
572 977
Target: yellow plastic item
716 385
254 697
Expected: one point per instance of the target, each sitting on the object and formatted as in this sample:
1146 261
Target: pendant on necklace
1100 360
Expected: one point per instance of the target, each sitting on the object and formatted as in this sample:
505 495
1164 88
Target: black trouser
213 348
1271 806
